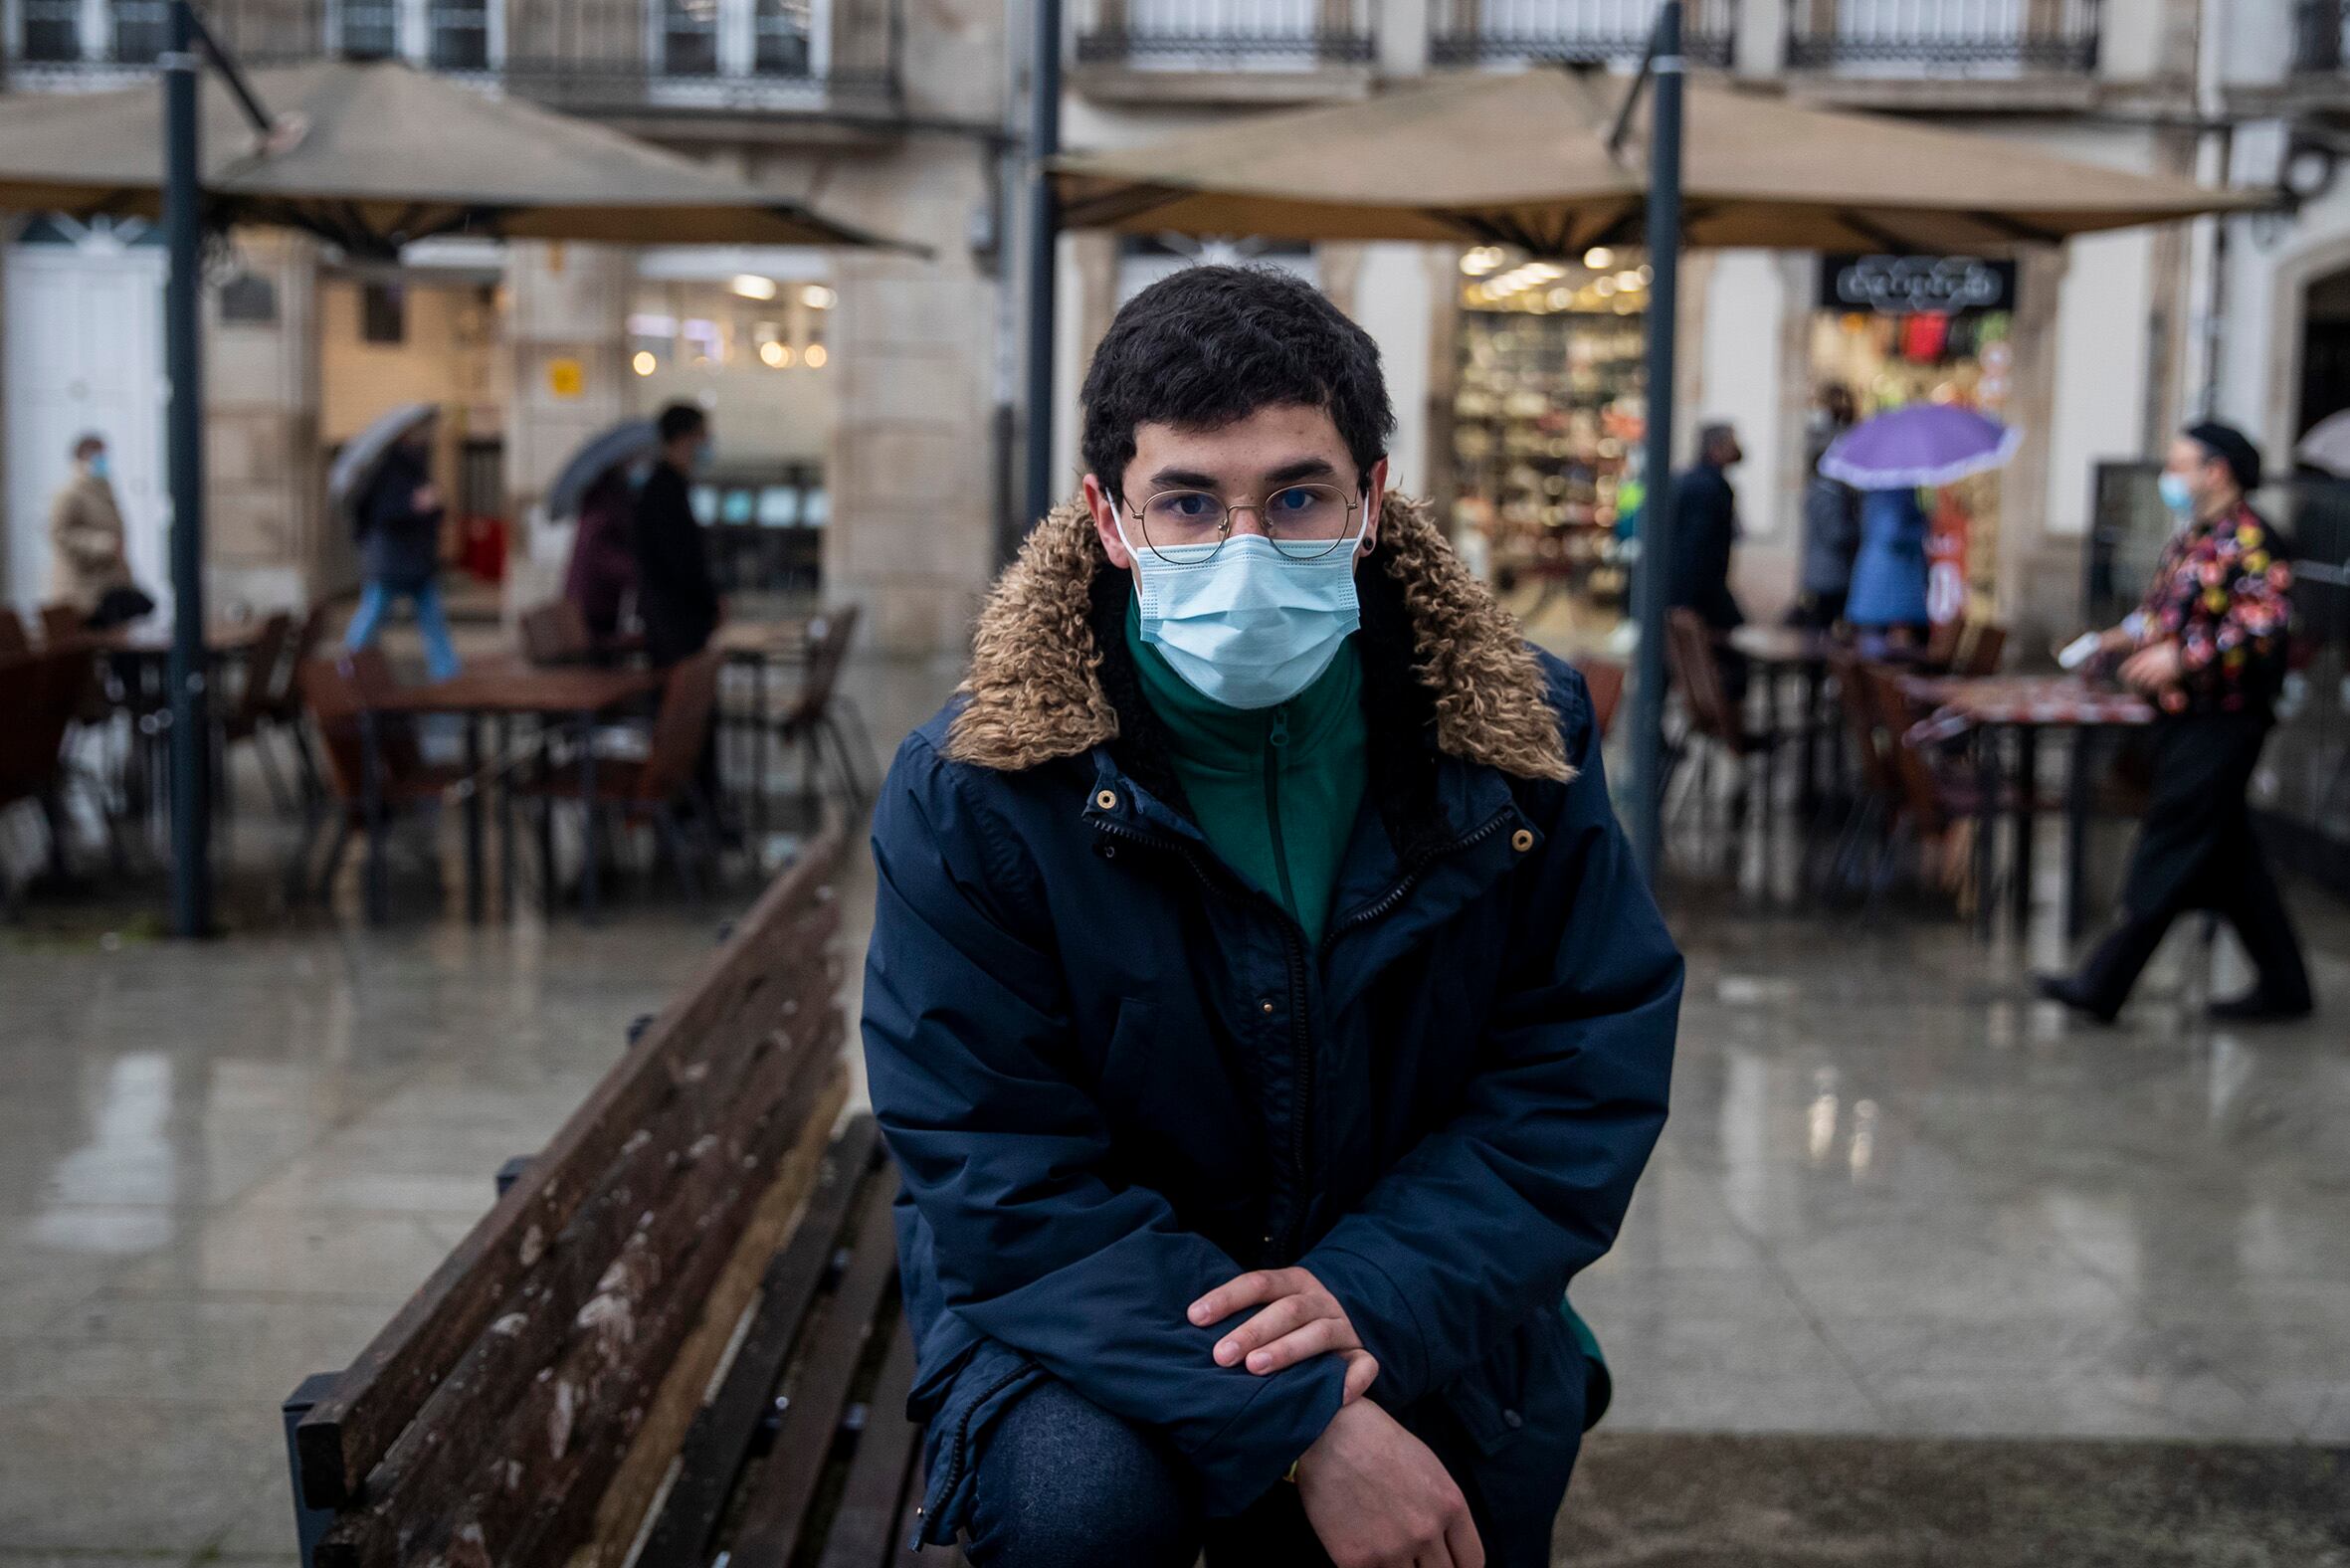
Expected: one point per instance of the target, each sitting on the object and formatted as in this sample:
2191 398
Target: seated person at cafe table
1263 1006
2207 648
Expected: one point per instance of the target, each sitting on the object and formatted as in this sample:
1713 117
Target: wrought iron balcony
1225 35
2321 37
586 55
1582 32
1943 36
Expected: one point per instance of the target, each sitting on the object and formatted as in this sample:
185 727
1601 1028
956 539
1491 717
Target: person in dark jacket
399 521
1704 532
676 598
1832 522
1263 1007
2208 646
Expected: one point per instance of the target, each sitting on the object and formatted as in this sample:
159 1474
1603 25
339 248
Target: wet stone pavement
1896 1201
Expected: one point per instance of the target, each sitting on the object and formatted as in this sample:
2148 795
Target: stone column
566 332
911 535
265 483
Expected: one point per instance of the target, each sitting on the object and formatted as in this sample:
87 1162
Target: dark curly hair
1211 345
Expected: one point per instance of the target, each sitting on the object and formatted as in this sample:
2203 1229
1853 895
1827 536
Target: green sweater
1276 790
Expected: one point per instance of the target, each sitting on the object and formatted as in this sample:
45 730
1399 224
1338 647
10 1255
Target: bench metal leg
309 1524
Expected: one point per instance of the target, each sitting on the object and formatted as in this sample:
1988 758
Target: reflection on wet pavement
1895 1197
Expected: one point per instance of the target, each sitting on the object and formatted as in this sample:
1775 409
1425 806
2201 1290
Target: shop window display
1548 411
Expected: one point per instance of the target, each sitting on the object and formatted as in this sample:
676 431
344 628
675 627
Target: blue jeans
375 601
1064 1483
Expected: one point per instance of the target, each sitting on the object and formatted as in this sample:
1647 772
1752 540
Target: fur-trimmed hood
1035 693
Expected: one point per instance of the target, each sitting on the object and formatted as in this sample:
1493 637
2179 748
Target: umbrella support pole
1043 232
1650 587
191 722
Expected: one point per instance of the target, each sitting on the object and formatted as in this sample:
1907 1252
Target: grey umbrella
622 444
355 465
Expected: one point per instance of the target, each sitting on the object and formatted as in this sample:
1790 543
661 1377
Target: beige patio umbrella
1524 159
372 155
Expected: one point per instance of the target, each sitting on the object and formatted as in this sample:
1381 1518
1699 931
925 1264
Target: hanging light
816 356
1598 257
774 355
752 286
644 363
816 296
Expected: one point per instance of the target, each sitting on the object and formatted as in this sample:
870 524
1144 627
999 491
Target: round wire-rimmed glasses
1303 521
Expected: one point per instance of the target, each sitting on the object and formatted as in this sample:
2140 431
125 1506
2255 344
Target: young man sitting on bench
1263 1006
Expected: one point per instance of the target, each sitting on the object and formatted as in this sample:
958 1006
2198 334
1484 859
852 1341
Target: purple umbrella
1925 444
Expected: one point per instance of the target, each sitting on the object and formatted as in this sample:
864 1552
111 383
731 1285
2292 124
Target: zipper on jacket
1412 873
1293 950
1276 757
955 1456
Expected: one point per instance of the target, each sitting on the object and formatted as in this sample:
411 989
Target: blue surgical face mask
1248 626
99 467
2176 495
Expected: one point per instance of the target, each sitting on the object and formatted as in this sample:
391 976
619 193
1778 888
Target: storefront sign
1915 285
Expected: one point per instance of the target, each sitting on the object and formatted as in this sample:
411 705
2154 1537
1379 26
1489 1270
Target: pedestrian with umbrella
397 516
1890 459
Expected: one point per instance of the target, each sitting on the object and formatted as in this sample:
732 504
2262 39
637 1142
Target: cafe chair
822 717
1605 681
336 692
556 632
660 789
1713 729
40 692
1979 649
285 699
250 714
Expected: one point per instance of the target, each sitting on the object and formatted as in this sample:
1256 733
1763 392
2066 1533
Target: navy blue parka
1115 1073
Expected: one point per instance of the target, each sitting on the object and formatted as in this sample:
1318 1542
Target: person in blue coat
1264 1008
1887 604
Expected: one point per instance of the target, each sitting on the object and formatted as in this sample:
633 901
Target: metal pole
191 721
1044 228
1651 584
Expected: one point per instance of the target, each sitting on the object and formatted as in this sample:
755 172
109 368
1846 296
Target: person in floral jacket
2207 647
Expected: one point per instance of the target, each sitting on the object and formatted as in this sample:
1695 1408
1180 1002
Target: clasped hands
1375 1495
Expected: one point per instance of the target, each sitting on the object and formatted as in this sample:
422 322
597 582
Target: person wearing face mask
2207 647
677 597
1264 1008
92 570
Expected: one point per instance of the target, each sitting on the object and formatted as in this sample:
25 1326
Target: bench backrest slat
775 1508
711 1458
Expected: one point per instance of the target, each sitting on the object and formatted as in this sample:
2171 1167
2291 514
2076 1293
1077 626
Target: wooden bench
674 1335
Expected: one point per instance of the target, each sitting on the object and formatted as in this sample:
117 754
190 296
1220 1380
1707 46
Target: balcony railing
1584 31
584 55
1943 36
1225 35
2321 37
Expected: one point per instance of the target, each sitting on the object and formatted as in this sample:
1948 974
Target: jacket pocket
1530 1389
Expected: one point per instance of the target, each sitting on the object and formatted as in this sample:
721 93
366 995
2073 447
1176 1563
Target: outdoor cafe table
503 690
141 658
2025 706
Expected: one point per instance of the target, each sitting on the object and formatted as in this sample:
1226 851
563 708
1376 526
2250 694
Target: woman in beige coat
92 572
